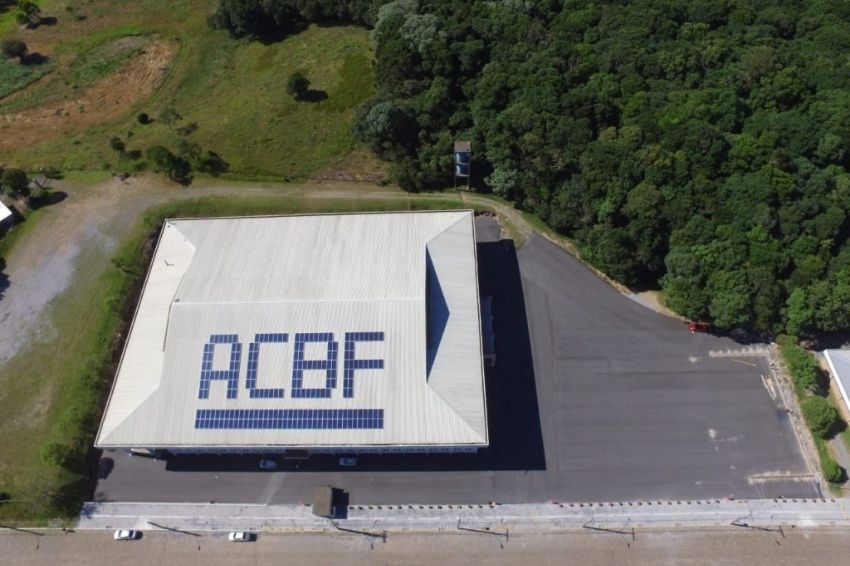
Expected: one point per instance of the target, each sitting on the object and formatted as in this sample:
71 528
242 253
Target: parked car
699 327
124 534
268 465
240 536
348 461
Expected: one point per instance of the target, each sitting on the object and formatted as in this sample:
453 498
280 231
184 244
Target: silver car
124 534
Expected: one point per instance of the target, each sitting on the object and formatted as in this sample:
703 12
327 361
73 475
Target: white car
240 536
268 465
348 461
124 534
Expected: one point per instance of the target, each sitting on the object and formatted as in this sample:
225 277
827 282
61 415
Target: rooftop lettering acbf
291 418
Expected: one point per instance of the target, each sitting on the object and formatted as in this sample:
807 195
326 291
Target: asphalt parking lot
594 398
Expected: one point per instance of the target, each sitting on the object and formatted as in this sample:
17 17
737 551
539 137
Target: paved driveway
594 398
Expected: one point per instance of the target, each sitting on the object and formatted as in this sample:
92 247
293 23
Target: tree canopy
699 145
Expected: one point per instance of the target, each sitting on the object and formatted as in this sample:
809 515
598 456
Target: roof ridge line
178 302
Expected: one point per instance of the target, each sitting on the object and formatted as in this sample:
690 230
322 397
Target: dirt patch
107 98
360 166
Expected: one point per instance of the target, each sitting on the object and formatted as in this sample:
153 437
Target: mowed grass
53 392
234 90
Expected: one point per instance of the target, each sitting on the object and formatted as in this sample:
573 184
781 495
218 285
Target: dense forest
703 145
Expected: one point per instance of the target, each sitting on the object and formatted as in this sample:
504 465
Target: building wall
334 450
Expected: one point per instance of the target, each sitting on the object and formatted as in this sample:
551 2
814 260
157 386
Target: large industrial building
331 333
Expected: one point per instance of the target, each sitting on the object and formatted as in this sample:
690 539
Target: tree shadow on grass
48 198
32 59
313 96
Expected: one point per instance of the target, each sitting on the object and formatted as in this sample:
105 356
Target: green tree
297 85
14 48
387 129
821 417
29 14
730 299
176 168
14 182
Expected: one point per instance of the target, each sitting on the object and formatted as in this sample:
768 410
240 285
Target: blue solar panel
230 375
300 365
323 419
352 364
253 364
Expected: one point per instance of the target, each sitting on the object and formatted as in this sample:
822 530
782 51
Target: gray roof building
324 331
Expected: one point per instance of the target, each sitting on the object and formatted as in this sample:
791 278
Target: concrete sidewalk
374 519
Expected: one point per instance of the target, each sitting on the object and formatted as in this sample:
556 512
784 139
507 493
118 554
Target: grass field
52 392
234 91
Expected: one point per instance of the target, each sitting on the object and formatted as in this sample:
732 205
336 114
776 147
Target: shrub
51 172
143 118
14 48
117 145
298 85
821 417
802 365
14 181
29 15
832 472
169 116
177 168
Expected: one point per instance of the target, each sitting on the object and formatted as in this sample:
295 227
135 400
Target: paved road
720 547
770 514
594 398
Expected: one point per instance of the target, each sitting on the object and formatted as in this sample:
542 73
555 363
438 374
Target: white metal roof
408 278
4 212
839 365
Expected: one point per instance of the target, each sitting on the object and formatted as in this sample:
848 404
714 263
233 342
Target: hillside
103 62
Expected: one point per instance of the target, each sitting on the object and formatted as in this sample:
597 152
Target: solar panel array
352 364
230 375
253 363
299 365
326 419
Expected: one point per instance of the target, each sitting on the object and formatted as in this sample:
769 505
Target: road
708 547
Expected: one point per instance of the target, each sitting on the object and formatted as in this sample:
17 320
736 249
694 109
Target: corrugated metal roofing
236 278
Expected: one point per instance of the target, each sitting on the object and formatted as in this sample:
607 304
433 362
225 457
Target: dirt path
95 219
110 97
